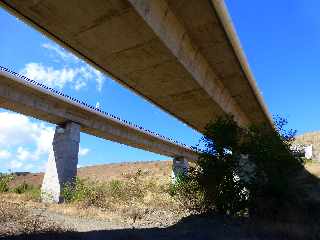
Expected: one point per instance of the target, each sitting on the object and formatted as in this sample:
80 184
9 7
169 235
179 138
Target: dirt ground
91 223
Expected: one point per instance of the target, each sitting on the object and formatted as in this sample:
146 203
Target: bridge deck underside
114 37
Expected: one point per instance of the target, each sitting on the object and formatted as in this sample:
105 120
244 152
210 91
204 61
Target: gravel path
188 228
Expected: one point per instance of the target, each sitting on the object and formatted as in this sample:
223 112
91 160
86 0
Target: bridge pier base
180 166
62 162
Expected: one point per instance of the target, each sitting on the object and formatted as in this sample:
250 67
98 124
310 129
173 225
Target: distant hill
106 172
311 138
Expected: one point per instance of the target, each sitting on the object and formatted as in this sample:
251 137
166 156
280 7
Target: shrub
5 179
214 185
97 194
30 191
131 193
188 190
33 194
77 191
271 187
225 181
22 188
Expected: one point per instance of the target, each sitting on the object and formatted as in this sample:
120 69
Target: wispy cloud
76 77
83 151
25 144
59 53
48 75
4 154
71 71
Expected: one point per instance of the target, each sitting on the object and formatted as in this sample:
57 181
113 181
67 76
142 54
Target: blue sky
280 38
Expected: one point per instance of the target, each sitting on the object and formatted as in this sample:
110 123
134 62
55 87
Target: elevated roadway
182 55
23 95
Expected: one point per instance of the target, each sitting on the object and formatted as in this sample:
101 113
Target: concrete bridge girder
156 48
20 96
183 56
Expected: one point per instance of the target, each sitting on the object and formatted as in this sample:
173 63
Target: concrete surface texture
62 163
181 55
310 139
21 96
180 166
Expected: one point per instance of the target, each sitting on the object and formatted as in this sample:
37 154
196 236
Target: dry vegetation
126 195
129 194
135 196
16 219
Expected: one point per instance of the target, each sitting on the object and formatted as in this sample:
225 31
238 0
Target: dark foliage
242 170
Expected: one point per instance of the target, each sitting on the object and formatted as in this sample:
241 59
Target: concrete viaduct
181 55
23 95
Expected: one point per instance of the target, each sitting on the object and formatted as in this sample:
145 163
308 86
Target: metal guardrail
3 69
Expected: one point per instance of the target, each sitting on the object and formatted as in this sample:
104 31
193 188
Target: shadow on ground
304 224
192 227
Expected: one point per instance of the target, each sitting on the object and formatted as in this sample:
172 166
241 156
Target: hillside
121 171
107 172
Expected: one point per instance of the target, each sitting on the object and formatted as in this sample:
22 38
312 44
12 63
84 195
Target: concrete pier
180 166
62 163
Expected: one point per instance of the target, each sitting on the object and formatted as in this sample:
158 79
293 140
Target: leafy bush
97 194
30 191
189 192
22 188
77 191
5 179
272 188
241 170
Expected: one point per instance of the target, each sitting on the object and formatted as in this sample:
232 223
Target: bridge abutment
62 162
180 166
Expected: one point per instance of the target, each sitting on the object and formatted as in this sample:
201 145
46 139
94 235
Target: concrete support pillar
247 169
62 162
180 166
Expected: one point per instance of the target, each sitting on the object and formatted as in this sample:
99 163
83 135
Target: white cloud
99 78
76 77
15 164
79 84
60 52
19 165
24 154
15 129
32 140
44 139
4 154
25 144
83 151
48 75
98 105
74 72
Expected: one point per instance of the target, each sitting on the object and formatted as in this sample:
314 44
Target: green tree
242 169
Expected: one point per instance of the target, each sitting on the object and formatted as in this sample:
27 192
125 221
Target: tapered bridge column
62 162
180 166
